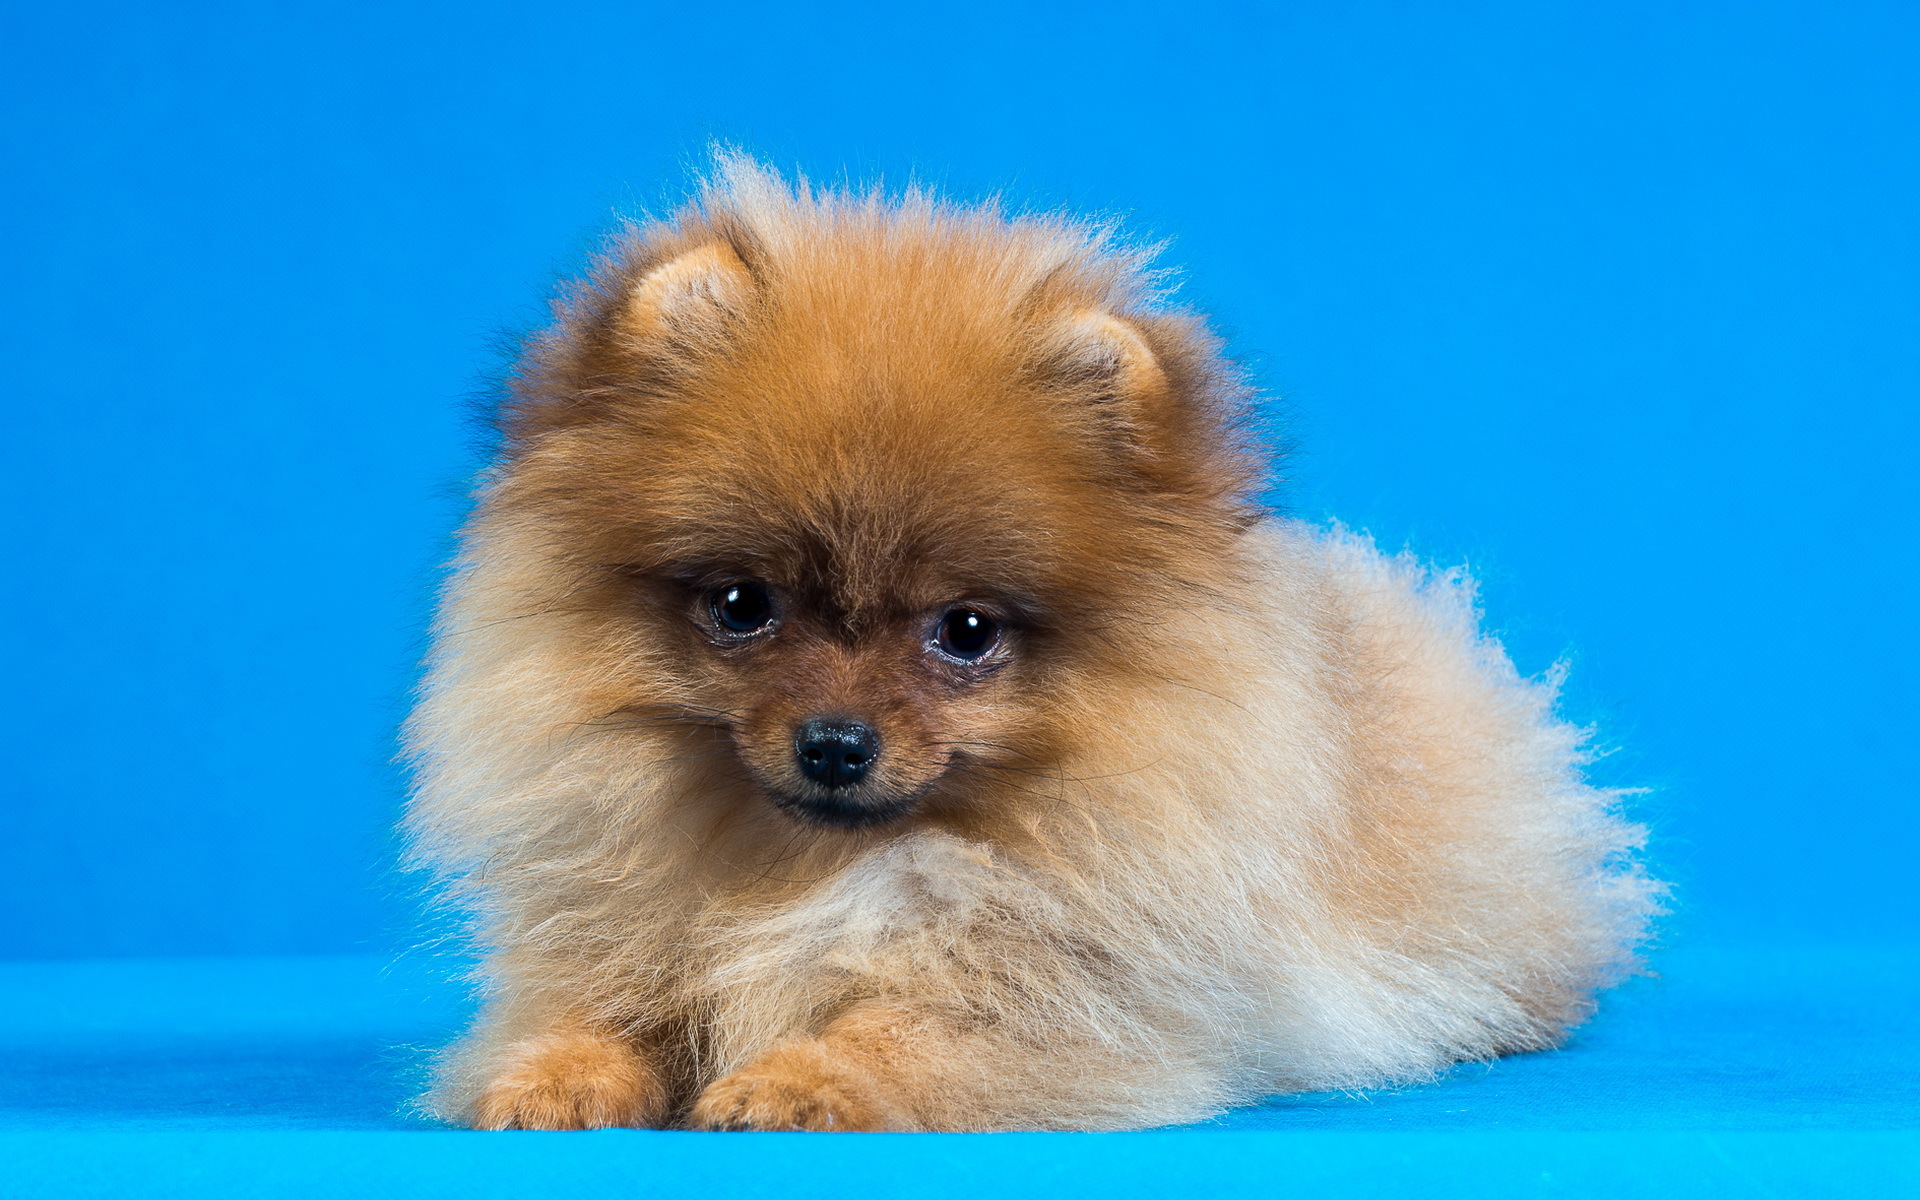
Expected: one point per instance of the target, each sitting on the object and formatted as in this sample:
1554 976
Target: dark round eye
967 633
741 607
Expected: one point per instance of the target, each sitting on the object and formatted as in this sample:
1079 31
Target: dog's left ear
1105 356
1105 366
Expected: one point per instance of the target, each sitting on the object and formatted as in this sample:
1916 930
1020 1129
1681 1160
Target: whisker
972 772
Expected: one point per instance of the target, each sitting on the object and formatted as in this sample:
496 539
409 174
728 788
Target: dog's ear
690 302
640 330
1104 365
1133 379
1107 361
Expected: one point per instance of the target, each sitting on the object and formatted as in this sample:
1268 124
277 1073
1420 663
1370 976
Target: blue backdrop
1615 302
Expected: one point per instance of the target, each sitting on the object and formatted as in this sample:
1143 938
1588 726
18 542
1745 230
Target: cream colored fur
1384 862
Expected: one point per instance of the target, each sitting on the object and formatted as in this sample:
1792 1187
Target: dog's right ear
644 328
689 302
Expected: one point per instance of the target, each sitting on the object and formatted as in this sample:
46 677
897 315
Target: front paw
571 1081
799 1086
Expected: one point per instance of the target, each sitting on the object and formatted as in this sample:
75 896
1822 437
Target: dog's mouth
834 810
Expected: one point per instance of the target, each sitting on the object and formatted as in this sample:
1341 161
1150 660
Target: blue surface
1790 1069
1761 1040
1489 1166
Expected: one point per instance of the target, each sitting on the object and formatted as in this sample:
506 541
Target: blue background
1616 303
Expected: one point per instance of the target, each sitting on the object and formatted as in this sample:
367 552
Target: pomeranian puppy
870 697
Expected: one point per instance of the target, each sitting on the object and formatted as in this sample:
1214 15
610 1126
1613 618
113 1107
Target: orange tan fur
1231 806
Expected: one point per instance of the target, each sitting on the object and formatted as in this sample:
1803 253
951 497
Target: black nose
833 753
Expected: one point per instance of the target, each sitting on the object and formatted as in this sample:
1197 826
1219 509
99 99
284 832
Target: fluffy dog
870 697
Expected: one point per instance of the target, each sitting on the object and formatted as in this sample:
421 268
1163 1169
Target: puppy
869 697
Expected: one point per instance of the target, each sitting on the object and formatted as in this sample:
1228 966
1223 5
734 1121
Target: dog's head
854 492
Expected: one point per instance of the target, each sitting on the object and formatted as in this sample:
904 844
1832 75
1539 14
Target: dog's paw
795 1087
571 1081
